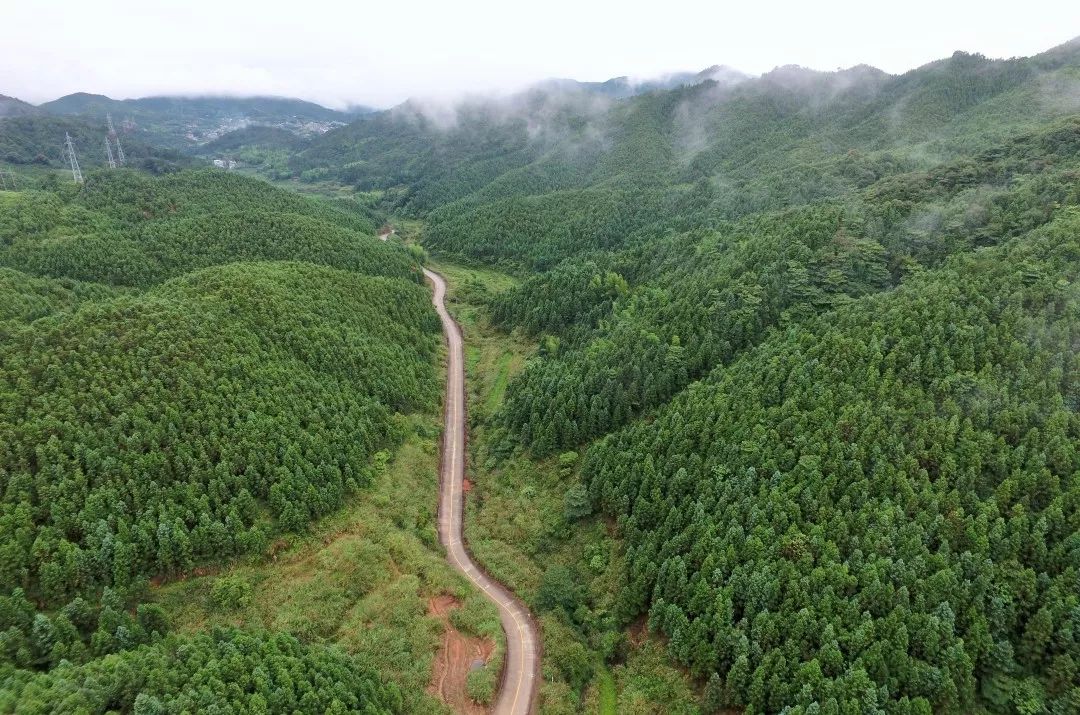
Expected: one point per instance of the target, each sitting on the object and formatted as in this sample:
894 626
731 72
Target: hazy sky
382 52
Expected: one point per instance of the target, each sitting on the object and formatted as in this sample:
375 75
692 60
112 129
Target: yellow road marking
503 601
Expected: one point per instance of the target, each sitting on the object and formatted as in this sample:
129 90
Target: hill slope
200 364
814 335
185 122
13 107
38 139
127 229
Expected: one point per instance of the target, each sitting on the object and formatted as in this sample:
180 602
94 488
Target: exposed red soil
466 486
455 658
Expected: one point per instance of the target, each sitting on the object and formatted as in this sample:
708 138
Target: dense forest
806 350
37 140
126 229
796 430
883 498
191 365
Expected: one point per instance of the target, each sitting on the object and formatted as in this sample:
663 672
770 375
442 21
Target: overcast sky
383 52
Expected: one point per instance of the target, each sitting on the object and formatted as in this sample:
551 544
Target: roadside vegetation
519 526
218 424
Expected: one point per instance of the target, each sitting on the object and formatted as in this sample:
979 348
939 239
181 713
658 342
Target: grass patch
517 526
361 578
499 379
492 358
606 696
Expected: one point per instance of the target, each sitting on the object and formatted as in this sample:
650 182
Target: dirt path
517 691
455 659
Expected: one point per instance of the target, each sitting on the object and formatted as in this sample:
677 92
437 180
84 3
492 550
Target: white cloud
383 52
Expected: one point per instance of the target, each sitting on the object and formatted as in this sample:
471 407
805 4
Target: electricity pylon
116 139
7 181
109 155
69 154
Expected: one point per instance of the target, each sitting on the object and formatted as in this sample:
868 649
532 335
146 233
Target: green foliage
701 298
231 592
240 367
438 163
482 684
565 654
814 333
127 229
184 416
577 503
538 232
38 140
884 497
183 123
650 684
574 294
226 670
823 326
76 633
559 588
24 298
255 136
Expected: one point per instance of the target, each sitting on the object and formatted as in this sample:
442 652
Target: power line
69 154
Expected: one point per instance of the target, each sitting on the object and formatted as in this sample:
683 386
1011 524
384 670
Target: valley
521 664
703 394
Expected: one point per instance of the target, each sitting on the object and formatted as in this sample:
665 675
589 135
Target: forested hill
190 365
790 136
184 122
879 507
36 140
125 228
158 133
254 108
814 335
13 107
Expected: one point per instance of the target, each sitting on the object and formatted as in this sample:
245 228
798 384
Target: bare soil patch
456 657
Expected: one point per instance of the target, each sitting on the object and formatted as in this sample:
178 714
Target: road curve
517 691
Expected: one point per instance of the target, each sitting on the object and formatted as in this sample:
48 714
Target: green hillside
774 397
13 107
185 123
193 366
125 228
806 356
37 141
883 497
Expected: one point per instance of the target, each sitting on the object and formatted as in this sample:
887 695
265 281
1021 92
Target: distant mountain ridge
12 107
255 106
186 122
625 86
565 134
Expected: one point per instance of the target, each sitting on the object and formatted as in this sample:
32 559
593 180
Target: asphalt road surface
517 692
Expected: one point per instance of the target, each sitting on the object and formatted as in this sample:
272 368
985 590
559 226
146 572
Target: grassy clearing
491 358
516 528
362 579
499 379
606 695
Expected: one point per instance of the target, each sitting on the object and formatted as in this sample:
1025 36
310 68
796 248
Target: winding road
517 691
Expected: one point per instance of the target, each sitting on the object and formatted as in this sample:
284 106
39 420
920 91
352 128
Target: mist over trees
814 334
806 358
